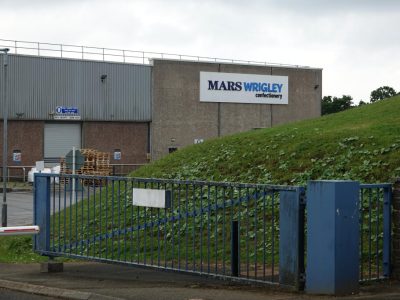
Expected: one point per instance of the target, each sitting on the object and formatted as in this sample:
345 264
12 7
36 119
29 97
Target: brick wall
26 136
130 138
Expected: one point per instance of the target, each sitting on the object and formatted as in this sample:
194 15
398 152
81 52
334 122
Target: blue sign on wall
67 113
66 110
117 154
17 156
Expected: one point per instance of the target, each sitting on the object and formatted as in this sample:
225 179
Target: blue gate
243 232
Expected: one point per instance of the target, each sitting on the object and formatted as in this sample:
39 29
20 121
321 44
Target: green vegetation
382 93
330 105
361 143
18 249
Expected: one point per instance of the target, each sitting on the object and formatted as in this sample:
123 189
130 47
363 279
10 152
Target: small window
172 149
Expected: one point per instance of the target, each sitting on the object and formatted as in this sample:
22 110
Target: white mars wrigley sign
243 88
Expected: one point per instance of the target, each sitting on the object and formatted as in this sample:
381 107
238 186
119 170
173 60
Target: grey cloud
21 4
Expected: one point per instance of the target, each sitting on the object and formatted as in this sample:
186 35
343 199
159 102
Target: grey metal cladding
37 85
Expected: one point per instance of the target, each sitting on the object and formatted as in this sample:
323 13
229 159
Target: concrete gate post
332 237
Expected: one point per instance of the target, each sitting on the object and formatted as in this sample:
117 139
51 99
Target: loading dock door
59 138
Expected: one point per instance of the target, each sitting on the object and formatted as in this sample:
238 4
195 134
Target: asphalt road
13 295
19 208
102 281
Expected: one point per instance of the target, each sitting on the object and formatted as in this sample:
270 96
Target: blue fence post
387 230
41 211
332 237
291 238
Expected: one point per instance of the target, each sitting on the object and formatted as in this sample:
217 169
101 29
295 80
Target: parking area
19 208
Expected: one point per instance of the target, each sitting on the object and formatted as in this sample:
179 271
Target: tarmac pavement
6 294
90 280
19 208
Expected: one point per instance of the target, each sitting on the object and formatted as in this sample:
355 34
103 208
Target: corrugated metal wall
37 85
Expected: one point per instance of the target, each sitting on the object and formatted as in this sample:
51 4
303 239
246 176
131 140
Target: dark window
172 149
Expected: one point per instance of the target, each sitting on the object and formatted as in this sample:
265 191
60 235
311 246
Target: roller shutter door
59 138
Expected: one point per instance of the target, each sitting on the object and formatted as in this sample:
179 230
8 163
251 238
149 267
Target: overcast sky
356 42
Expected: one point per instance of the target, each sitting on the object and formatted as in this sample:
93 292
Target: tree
382 93
330 105
361 103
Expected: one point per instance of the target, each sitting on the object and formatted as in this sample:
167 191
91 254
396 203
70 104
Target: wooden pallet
96 163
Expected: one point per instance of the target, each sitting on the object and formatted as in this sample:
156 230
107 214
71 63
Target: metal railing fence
17 173
224 230
115 55
244 232
20 173
375 231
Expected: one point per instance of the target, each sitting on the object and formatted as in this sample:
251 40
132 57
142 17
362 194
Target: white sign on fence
151 198
243 88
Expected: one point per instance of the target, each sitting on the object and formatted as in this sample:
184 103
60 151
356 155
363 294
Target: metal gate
225 230
243 232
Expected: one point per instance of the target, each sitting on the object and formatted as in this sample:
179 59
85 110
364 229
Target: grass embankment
360 144
18 249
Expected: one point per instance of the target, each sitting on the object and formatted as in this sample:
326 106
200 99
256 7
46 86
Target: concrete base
51 267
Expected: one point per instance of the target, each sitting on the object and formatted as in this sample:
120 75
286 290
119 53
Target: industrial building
140 111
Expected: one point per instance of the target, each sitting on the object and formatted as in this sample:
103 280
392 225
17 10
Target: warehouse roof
119 55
